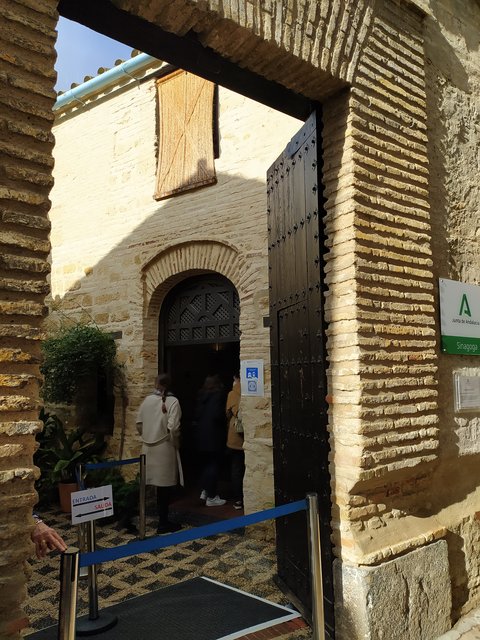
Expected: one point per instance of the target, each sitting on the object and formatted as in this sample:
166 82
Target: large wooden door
298 358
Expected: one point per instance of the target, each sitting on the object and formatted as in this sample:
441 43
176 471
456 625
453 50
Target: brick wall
27 37
379 271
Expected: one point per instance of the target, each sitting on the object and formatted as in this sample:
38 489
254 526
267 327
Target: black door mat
197 609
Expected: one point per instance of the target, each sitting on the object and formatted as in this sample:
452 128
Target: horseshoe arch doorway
198 336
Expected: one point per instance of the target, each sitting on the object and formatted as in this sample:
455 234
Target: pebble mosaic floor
237 559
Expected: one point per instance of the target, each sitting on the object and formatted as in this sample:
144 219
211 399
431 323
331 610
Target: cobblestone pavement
243 561
237 559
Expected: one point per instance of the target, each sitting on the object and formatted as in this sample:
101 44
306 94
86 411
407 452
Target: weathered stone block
408 598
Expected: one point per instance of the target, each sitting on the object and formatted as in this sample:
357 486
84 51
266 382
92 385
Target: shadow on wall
456 475
111 291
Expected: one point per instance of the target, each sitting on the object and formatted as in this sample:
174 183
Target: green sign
457 344
460 317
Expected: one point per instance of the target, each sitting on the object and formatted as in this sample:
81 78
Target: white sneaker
215 502
203 495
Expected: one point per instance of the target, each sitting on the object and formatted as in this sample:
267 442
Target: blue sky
81 51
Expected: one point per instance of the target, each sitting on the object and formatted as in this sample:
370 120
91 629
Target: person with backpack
235 439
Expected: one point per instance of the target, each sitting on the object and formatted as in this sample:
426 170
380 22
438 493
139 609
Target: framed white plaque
467 392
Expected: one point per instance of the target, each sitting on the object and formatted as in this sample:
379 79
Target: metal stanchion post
92 574
142 497
68 594
83 572
95 622
81 527
318 622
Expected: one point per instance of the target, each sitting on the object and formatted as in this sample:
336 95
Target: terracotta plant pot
65 489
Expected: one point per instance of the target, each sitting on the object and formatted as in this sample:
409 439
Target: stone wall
27 37
452 35
120 274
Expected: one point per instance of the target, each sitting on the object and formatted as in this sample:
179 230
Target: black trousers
164 495
211 461
237 471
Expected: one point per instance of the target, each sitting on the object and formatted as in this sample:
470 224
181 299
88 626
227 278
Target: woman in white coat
158 423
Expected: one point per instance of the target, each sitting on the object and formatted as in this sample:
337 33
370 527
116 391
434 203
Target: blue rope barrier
160 542
109 463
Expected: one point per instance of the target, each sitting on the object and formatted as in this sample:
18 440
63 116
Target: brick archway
181 260
171 266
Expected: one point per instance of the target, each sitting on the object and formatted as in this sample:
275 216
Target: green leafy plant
71 355
60 451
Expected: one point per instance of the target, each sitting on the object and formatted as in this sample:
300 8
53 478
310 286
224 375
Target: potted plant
79 367
58 455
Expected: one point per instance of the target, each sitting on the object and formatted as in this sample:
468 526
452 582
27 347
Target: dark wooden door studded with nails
300 438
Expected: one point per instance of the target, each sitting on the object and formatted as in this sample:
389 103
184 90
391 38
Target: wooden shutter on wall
186 154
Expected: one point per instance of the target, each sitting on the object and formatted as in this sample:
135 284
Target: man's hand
46 539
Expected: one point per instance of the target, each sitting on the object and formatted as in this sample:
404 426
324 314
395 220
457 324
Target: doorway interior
199 336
